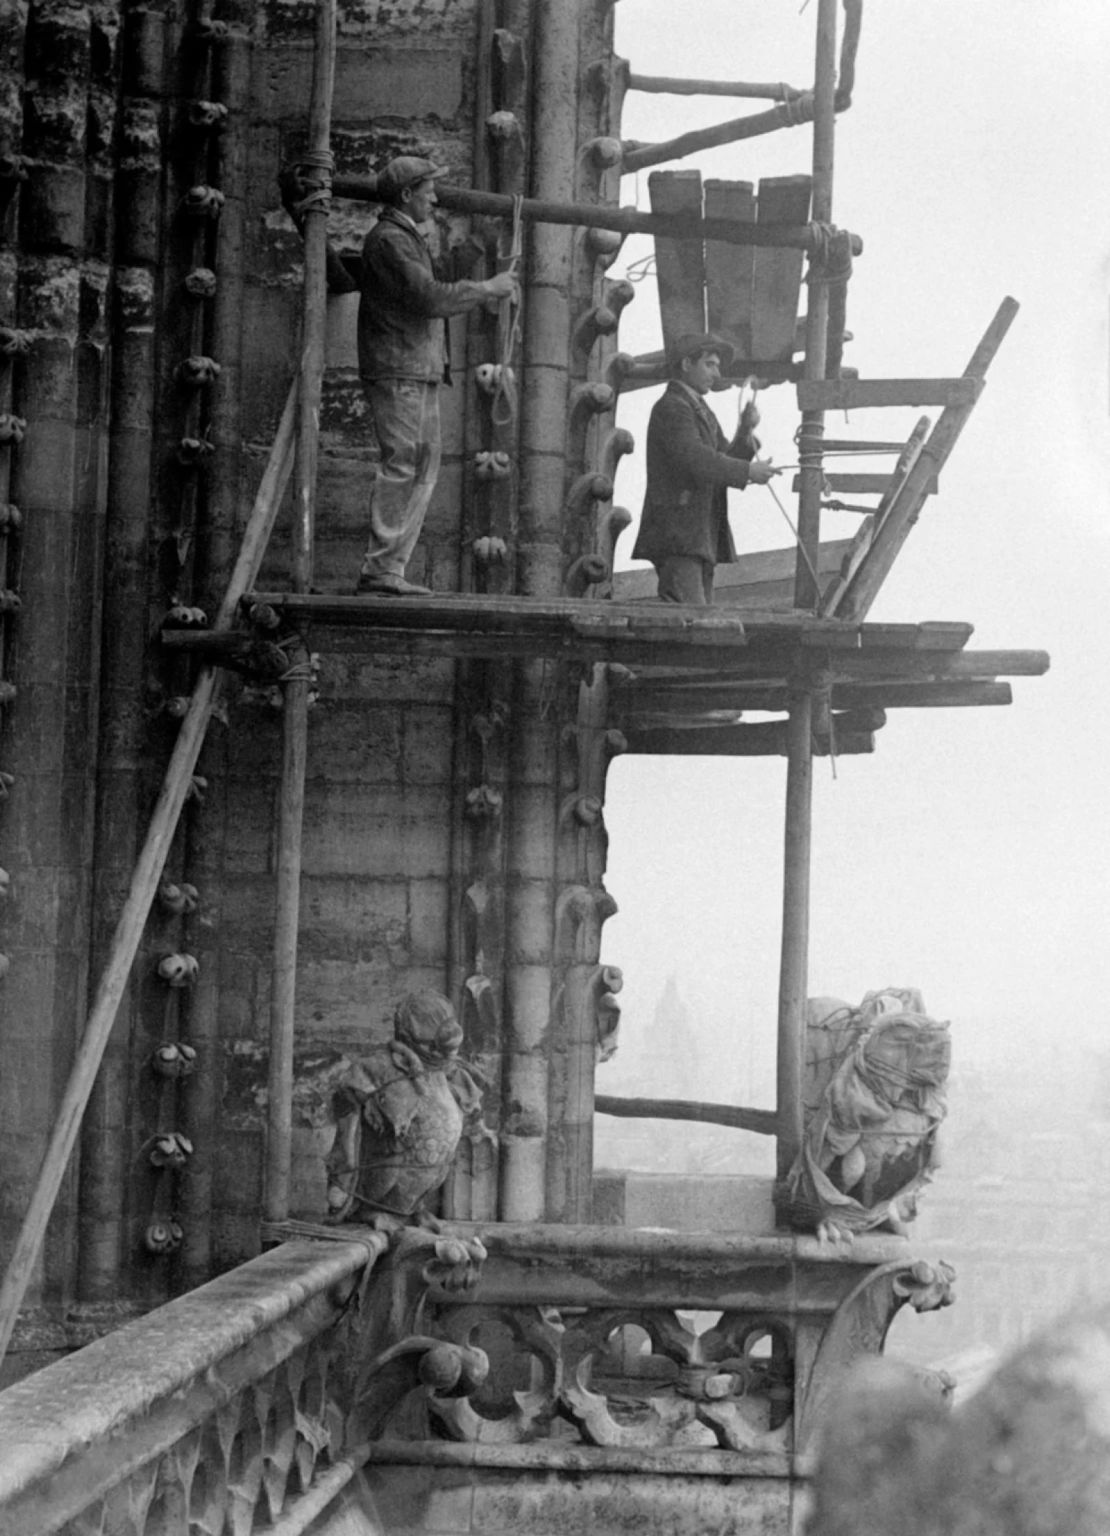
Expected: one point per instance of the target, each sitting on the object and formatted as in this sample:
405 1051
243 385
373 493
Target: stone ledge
56 1415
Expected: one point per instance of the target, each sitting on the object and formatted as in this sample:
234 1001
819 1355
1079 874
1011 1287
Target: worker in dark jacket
684 531
402 355
402 361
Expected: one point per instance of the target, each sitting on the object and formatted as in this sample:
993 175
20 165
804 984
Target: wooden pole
789 114
279 1138
817 311
666 85
793 967
794 959
764 1122
144 885
625 221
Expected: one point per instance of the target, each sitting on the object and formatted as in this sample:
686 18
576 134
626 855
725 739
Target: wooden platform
648 633
684 676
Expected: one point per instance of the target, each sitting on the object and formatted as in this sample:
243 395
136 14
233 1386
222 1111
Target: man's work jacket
690 465
403 307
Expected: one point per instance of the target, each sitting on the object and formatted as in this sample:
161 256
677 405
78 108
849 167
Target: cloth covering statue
874 1101
401 1110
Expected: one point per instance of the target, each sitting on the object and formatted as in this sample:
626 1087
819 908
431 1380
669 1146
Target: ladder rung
864 485
857 394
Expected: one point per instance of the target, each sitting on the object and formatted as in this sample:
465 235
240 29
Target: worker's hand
761 471
294 189
749 420
503 286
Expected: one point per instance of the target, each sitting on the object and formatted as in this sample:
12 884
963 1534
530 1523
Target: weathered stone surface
409 83
705 1204
1028 1454
448 1503
366 831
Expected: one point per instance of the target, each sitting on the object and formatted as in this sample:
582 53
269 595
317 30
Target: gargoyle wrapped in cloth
401 1110
874 1100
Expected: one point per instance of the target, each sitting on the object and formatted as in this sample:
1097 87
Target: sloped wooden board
729 268
679 264
777 274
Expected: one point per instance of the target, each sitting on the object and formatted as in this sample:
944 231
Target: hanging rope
503 409
636 271
801 548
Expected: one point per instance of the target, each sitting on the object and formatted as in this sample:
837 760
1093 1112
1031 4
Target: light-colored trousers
405 418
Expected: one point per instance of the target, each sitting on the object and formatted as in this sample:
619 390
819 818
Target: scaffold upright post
793 974
279 1137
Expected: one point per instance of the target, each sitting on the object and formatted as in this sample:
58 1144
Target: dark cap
406 171
693 346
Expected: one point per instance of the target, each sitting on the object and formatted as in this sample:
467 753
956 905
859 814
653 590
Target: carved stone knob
178 970
492 466
203 202
163 1235
184 616
587 810
207 114
174 1060
198 372
490 551
483 803
488 376
201 283
178 899
170 1149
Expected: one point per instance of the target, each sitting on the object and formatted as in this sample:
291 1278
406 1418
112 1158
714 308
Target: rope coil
830 258
319 165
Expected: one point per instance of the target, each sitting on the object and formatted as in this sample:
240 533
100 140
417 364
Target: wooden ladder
880 538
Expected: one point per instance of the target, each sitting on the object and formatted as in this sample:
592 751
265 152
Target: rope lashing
796 109
319 165
830 257
503 408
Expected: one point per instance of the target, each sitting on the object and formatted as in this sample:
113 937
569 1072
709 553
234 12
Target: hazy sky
968 856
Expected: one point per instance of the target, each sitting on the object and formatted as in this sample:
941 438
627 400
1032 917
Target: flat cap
406 171
694 345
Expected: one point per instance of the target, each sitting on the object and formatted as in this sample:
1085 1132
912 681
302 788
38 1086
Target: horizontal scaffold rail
624 221
677 713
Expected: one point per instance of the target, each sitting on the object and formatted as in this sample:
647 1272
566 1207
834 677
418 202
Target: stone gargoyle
400 1111
874 1100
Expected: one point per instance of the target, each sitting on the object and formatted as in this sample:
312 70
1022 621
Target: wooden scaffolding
801 645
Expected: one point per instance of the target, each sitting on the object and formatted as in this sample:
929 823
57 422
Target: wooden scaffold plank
679 264
777 275
729 268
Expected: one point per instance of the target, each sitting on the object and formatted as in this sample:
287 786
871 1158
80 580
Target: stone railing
212 1414
473 1369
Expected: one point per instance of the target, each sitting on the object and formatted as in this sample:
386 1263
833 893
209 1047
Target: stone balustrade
459 1381
211 1414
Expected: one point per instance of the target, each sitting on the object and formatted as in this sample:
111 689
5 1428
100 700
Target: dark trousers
685 579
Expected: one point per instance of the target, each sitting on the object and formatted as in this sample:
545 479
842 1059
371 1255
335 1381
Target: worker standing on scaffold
402 359
684 531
